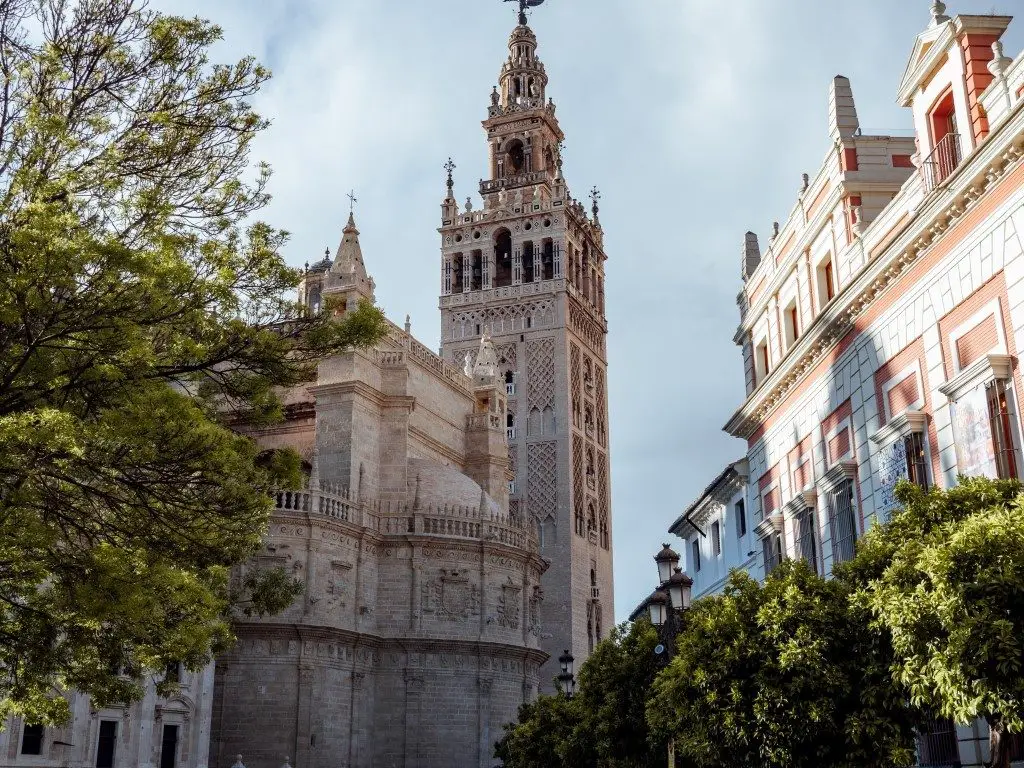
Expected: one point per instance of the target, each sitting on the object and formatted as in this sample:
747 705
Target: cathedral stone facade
417 635
454 532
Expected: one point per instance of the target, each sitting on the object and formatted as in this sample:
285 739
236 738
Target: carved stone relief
451 596
508 605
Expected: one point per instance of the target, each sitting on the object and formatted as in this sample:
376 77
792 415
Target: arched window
515 156
591 519
580 524
548 420
502 258
605 542
533 426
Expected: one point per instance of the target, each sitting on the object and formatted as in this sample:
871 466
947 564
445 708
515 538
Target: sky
695 118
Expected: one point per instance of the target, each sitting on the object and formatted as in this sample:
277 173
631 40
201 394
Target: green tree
785 674
141 310
614 683
541 736
945 580
603 724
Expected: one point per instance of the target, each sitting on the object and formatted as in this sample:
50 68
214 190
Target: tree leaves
142 312
947 584
783 674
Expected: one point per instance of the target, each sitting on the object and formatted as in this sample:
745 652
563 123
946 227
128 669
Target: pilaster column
413 708
484 687
517 265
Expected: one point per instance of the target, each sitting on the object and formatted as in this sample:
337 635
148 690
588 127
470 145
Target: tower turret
345 277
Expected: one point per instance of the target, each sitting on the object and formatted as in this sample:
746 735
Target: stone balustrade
400 519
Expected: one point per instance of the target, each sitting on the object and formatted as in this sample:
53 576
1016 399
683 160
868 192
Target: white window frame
846 424
794 507
992 308
914 369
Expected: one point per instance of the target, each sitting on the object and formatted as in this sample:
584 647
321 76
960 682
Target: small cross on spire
352 200
449 166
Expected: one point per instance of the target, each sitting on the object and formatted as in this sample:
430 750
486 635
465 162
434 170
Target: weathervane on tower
523 5
352 200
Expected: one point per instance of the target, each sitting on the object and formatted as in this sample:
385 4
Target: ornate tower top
348 275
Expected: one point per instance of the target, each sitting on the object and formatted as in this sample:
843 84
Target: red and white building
880 326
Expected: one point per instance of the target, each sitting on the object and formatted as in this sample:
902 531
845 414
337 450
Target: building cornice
939 212
911 420
987 368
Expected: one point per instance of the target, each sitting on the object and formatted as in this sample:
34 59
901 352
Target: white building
879 327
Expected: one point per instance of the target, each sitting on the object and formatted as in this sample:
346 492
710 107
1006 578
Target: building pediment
929 48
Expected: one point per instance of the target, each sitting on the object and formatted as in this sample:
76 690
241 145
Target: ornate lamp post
665 606
566 677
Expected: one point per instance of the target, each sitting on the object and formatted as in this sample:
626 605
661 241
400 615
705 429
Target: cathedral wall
438 419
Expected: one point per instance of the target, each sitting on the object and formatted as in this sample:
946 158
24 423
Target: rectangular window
169 747
825 281
917 468
1002 437
842 522
741 518
806 543
173 672
32 740
792 329
771 548
716 538
107 744
695 549
937 743
763 362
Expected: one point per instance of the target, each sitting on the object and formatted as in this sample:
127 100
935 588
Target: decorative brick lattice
577 475
586 328
507 356
459 357
602 408
540 372
602 484
542 471
575 384
513 457
511 318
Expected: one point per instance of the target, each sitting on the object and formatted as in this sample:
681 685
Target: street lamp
566 678
666 605
667 560
680 589
657 605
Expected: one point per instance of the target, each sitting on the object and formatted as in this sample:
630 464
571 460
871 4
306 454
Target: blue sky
696 118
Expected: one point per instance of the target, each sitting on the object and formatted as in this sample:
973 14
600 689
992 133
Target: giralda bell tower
528 270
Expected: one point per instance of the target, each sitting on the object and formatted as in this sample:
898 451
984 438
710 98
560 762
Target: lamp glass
657 610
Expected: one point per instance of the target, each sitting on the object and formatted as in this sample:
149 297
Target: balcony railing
943 160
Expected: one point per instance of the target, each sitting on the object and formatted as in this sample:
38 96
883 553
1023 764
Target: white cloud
696 118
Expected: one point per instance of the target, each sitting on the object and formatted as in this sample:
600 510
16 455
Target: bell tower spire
527 270
522 129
